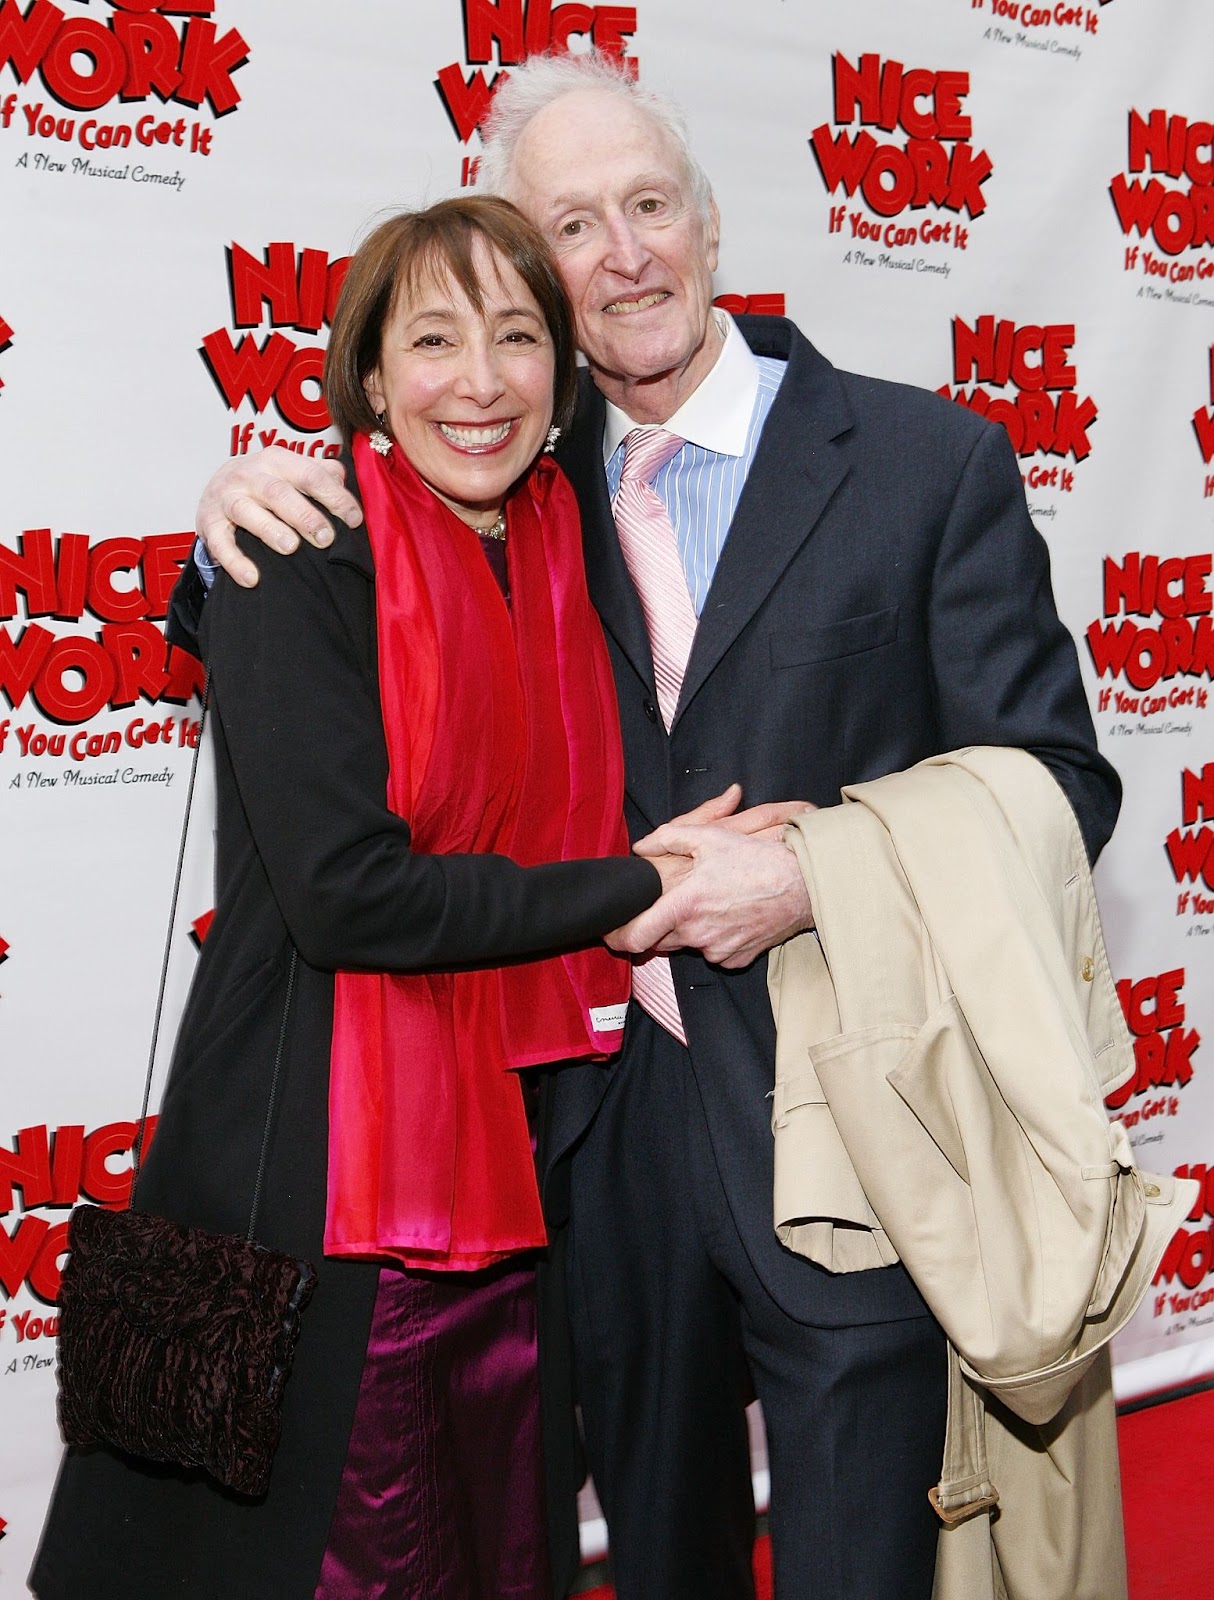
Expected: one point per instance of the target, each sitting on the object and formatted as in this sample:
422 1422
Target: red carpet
1167 1476
762 1576
1167 1486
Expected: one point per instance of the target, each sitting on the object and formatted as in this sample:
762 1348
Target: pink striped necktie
651 552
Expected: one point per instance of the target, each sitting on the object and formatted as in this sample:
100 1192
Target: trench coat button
651 711
1151 1190
1087 969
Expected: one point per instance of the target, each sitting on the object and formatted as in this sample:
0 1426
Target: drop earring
554 434
380 441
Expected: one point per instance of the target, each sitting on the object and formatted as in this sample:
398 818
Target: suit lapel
802 459
611 588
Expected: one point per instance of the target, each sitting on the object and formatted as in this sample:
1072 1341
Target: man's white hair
542 79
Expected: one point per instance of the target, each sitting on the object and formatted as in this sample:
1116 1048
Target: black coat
306 852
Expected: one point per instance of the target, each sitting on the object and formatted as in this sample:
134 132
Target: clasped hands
731 887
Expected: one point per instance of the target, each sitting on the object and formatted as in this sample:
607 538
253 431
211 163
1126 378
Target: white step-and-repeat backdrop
1010 203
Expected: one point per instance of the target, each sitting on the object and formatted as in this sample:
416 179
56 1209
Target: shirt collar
717 414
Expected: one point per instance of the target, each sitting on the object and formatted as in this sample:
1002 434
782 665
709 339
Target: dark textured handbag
175 1344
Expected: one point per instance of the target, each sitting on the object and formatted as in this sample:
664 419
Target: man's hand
265 493
672 869
744 893
761 822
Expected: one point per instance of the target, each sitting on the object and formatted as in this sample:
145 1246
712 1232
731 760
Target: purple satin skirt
441 1497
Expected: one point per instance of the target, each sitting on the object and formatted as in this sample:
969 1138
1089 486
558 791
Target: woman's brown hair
418 245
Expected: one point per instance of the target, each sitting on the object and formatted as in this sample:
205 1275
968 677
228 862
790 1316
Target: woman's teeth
474 438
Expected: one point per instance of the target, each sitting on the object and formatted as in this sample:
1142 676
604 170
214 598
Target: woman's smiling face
467 393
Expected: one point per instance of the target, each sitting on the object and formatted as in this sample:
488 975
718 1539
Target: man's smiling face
608 187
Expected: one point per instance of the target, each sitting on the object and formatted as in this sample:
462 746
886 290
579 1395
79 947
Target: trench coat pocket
821 1209
921 1080
968 1215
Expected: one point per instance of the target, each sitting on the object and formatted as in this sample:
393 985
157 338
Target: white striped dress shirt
701 485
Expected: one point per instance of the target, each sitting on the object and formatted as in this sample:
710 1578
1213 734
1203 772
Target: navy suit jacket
882 596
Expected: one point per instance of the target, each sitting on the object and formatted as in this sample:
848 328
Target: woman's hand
265 493
672 869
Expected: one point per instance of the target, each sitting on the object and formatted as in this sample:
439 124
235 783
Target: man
867 590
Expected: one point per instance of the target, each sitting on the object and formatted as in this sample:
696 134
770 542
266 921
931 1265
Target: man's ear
712 235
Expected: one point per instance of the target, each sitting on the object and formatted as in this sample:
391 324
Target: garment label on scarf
608 1019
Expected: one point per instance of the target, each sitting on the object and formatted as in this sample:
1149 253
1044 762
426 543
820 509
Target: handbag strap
141 1132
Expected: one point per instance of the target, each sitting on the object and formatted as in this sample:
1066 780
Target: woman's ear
373 389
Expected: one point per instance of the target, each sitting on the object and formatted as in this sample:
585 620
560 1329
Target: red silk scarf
503 736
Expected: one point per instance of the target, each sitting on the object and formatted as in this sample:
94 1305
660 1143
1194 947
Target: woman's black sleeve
295 686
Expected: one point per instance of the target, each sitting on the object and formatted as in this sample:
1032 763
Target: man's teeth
642 304
472 438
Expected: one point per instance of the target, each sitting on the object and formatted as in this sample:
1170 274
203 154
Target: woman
445 657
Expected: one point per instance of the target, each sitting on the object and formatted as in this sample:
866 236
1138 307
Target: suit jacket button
651 711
